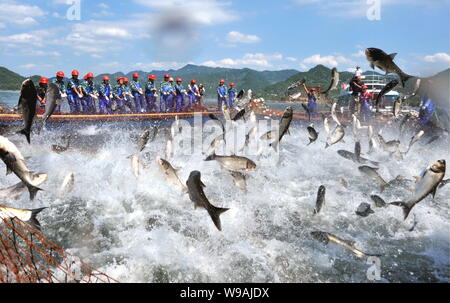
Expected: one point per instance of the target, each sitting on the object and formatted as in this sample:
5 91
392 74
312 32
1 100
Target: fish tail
405 206
310 141
33 220
327 145
33 191
404 77
211 157
214 213
26 133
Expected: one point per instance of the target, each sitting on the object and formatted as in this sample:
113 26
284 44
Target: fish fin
405 206
215 213
33 220
289 133
211 157
33 191
392 55
372 65
202 184
310 141
327 145
434 191
26 134
8 170
384 186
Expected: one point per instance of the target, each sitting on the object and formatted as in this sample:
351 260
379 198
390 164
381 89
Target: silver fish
414 139
372 173
197 195
171 174
27 105
67 185
25 215
15 191
427 184
334 81
239 180
326 237
320 199
387 88
336 136
312 133
233 163
285 122
385 62
15 162
53 99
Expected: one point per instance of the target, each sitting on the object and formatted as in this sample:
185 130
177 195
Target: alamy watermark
74 11
374 271
373 13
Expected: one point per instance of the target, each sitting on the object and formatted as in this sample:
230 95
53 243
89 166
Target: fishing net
26 256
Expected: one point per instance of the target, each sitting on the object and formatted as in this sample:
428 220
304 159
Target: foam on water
145 230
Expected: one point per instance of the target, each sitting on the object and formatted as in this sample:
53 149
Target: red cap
166 76
193 81
60 74
90 75
232 84
75 72
135 75
313 89
222 81
179 80
119 78
152 77
125 79
85 77
105 78
43 80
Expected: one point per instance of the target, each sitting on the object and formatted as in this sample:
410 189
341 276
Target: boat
375 83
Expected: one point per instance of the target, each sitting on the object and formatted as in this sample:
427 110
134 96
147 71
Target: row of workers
82 95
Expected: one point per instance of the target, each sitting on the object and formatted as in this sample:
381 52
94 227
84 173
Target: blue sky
36 36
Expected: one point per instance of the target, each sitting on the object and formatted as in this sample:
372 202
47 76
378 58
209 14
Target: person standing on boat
74 92
138 94
222 94
105 96
179 95
128 96
312 100
201 92
150 94
193 93
356 85
59 82
119 97
231 95
41 92
366 105
90 94
165 92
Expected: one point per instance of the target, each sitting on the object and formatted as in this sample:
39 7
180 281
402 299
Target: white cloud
257 60
28 66
19 14
163 65
205 12
237 37
359 54
103 5
292 59
438 58
329 61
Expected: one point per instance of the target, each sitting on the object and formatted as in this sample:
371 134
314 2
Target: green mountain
10 80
